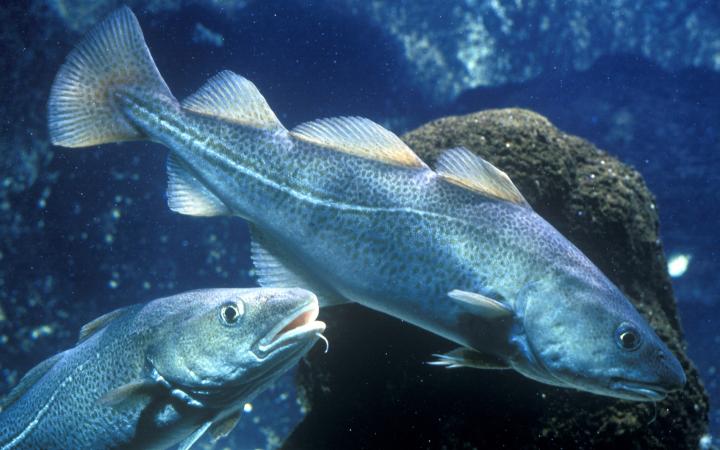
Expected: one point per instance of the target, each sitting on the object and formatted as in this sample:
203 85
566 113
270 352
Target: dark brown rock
373 390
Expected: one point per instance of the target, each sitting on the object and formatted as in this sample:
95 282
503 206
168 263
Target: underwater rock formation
373 391
454 46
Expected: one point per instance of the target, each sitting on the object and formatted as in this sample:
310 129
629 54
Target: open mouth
639 391
295 328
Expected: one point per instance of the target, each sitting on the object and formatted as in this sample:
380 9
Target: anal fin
187 195
272 270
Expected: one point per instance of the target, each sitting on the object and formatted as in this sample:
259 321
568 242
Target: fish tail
83 109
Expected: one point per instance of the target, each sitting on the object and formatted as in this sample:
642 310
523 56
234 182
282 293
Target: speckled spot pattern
394 238
177 346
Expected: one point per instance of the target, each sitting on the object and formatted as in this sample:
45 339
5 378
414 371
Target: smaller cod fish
343 208
154 375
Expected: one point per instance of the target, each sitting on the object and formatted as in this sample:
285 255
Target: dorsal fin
360 137
234 98
462 167
98 324
28 381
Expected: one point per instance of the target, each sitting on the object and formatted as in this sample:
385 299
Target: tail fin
82 110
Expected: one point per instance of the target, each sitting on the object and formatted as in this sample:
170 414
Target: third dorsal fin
234 98
99 323
360 137
462 167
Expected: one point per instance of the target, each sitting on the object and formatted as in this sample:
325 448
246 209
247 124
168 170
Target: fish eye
230 313
627 337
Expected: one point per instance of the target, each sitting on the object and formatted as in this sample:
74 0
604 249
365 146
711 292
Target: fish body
378 245
153 375
343 207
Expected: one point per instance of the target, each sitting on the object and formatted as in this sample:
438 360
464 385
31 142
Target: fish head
580 331
230 343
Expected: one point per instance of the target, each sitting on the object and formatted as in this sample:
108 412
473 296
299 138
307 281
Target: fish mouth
638 391
299 327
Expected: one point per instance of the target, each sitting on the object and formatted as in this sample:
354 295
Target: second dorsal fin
360 137
231 97
462 167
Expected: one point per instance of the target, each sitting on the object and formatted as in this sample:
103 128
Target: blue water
92 232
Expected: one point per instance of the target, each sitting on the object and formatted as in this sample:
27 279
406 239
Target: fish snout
292 320
672 376
662 374
284 301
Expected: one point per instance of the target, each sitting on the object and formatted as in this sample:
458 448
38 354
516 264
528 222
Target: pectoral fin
129 394
197 434
224 427
186 398
484 306
465 357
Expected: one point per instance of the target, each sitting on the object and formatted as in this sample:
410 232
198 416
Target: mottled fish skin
354 221
66 407
398 239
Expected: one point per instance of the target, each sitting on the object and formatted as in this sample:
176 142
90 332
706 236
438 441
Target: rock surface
373 390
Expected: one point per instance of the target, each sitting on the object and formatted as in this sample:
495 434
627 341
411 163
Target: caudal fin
83 110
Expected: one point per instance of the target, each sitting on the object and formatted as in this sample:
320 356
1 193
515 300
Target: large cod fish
149 376
344 208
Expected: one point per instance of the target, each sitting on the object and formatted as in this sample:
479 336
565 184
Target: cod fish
344 208
154 375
